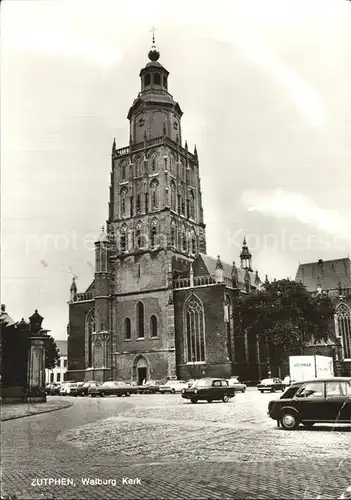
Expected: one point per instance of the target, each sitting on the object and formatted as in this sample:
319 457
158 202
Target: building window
140 319
65 363
173 196
138 236
51 377
127 329
173 234
184 245
123 173
154 231
89 330
147 79
146 203
153 165
165 81
58 377
154 194
131 203
138 204
123 239
191 205
195 331
153 326
157 79
123 202
193 242
343 313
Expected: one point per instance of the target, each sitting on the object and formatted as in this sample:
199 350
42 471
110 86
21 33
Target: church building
159 307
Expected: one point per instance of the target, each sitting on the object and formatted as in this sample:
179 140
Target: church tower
155 224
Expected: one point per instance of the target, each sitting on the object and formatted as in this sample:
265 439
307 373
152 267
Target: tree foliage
284 315
51 353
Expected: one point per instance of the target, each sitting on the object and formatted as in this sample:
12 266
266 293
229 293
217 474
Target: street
149 446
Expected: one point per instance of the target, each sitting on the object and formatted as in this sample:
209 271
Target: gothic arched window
154 233
343 314
139 235
154 189
147 79
127 329
123 173
183 238
123 202
193 241
123 238
157 79
89 330
140 319
153 165
173 233
191 205
153 326
173 196
195 331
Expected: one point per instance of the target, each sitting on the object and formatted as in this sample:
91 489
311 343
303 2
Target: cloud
283 204
64 44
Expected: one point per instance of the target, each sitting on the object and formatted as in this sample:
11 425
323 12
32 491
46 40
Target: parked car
318 400
67 388
75 389
287 381
111 388
53 389
84 387
173 386
271 385
191 381
150 387
209 389
238 386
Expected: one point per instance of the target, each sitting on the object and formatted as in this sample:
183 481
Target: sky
266 95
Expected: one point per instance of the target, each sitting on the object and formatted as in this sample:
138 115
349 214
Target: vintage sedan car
209 389
67 388
111 388
308 402
83 388
271 385
173 386
150 387
53 389
238 386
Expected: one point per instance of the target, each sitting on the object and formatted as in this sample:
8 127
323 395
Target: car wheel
272 389
209 400
194 400
127 394
244 390
289 421
261 392
93 395
225 398
102 394
173 391
308 425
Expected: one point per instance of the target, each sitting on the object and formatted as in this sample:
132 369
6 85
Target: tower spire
154 53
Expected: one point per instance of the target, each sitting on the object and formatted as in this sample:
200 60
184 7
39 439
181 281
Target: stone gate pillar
36 361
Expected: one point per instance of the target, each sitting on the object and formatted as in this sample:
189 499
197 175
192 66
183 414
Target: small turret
114 145
245 256
219 270
234 274
195 151
247 281
73 290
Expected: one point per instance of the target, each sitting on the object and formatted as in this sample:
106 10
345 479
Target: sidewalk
19 410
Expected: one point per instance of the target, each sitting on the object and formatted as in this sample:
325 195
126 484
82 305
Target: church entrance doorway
141 370
142 374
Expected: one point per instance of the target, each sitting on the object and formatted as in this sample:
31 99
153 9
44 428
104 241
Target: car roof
327 379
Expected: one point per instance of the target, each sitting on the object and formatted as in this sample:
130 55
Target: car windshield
202 383
267 381
233 381
290 392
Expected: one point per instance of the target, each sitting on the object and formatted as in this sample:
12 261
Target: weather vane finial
153 35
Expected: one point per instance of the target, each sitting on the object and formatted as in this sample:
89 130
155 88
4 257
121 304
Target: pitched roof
328 274
210 263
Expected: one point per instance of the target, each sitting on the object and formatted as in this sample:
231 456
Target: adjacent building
158 306
332 277
58 373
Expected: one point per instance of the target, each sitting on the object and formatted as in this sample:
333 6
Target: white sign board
302 368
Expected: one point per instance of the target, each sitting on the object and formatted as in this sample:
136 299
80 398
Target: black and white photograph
175 249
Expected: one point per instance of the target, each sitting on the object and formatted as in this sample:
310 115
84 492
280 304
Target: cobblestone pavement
174 449
20 410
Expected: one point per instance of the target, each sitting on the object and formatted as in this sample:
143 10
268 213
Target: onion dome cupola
154 108
246 257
